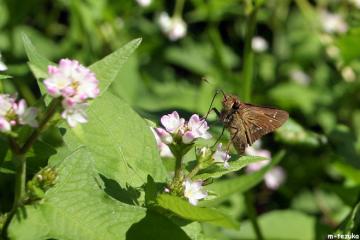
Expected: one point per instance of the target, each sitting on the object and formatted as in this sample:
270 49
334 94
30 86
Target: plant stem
179 6
249 201
178 167
194 171
20 182
248 67
49 114
19 156
248 72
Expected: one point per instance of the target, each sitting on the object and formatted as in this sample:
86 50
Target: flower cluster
177 130
14 112
219 156
75 84
174 28
273 178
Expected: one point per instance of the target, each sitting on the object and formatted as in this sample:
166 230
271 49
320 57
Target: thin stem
179 6
20 161
218 47
194 171
248 68
178 167
249 201
20 182
49 114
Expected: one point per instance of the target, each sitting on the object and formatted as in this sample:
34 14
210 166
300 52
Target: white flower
164 21
5 125
356 3
333 23
75 114
144 3
259 44
193 191
299 77
3 67
27 116
197 128
172 122
6 104
178 29
348 74
221 156
274 178
174 28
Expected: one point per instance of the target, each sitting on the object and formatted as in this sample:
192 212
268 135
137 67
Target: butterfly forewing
247 123
259 121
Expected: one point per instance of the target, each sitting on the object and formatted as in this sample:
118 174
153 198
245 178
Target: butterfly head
230 103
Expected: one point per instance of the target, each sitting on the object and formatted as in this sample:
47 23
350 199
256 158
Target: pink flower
71 80
193 191
163 148
275 178
252 151
13 113
172 122
75 84
196 128
164 135
221 156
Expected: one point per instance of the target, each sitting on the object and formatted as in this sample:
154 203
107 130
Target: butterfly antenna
212 101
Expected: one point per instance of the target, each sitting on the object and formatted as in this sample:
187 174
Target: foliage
110 179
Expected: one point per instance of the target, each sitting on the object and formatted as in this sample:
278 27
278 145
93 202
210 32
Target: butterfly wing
259 121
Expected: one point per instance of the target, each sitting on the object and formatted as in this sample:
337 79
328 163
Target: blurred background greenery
306 60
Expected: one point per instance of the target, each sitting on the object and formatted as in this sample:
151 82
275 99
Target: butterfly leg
238 144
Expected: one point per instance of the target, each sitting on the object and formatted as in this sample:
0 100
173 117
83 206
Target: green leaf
185 210
108 68
105 70
37 60
347 45
218 170
122 145
37 63
294 96
155 226
280 225
76 208
293 133
4 76
225 188
352 223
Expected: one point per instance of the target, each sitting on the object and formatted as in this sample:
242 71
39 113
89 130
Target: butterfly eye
235 106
